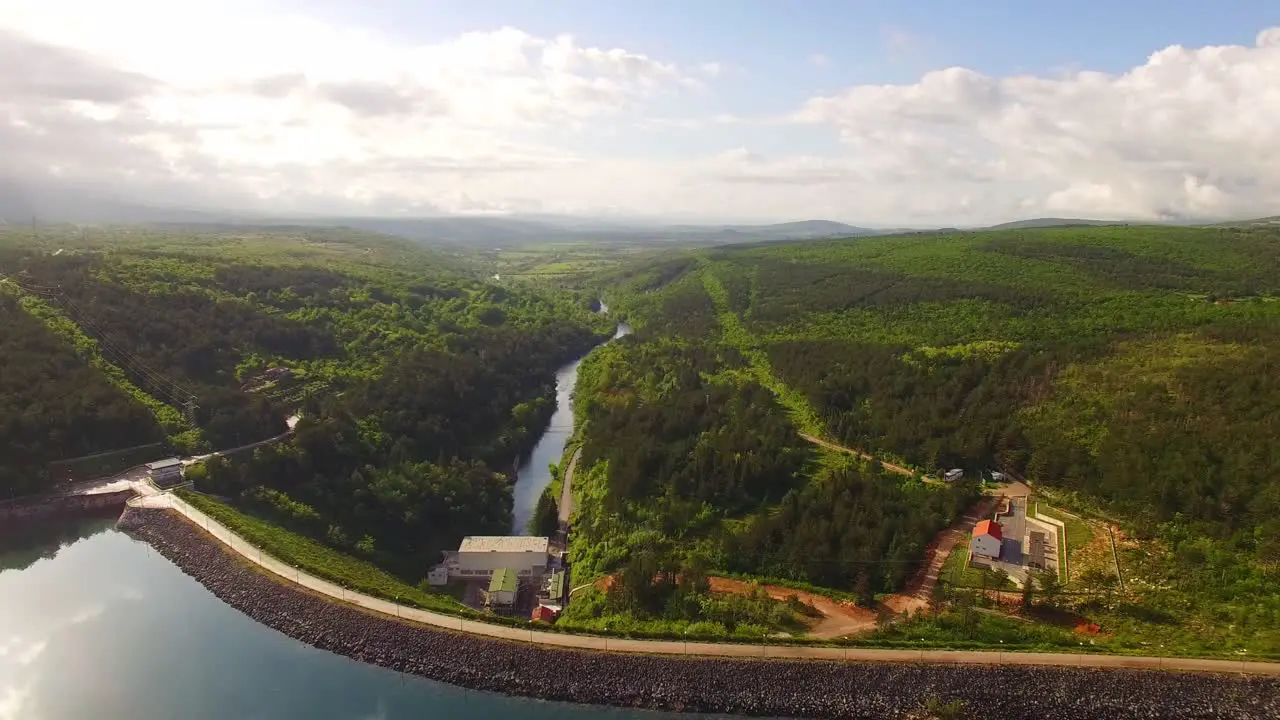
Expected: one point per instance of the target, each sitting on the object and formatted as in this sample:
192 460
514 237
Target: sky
875 113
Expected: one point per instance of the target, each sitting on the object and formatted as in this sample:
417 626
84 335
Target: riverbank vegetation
318 559
419 383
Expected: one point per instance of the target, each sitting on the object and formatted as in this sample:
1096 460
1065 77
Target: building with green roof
502 588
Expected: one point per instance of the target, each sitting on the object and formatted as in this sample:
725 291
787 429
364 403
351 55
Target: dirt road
857 453
838 618
566 490
916 595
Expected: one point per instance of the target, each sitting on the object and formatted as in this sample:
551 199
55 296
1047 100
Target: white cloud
248 104
15 703
1191 132
233 105
819 60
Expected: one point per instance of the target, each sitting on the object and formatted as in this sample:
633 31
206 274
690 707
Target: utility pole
191 408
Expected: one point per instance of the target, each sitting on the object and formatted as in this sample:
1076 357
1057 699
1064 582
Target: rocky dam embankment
787 688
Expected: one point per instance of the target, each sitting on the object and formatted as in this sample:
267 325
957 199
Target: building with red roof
544 614
986 540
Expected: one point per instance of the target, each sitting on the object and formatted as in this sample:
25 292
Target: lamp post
685 634
606 638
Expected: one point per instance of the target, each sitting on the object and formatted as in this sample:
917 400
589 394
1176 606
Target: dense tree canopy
1135 365
683 446
419 387
55 405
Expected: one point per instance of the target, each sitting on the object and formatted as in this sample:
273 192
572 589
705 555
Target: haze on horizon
715 111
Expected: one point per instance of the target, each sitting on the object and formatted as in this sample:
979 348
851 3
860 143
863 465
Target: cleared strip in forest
92 352
797 405
802 414
857 453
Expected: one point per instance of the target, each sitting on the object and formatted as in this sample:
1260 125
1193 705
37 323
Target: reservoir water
535 471
95 625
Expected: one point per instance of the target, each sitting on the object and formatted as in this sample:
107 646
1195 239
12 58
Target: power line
158 382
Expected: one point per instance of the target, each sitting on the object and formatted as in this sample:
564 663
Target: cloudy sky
746 110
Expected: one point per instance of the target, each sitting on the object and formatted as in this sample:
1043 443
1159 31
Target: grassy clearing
319 560
957 572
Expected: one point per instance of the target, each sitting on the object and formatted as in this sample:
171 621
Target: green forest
418 383
1131 372
690 466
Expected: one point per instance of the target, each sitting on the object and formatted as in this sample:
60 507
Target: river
535 471
94 624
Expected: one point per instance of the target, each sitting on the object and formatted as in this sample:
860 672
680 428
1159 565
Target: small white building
438 575
986 540
165 472
481 555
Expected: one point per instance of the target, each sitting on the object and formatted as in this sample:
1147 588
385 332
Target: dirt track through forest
916 595
856 453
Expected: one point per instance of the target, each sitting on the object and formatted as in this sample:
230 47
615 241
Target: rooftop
556 589
503 543
166 463
504 579
987 527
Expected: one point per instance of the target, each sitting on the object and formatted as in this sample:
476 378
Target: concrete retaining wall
38 508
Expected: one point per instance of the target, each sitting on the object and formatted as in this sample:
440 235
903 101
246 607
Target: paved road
566 489
136 477
676 647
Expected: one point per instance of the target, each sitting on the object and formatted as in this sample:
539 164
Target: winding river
95 624
535 471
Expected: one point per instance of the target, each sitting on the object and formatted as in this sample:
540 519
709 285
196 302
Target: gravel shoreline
788 688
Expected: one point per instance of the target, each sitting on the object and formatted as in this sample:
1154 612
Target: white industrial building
480 556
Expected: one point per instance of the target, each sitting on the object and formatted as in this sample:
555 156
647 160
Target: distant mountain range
494 231
20 204
1052 222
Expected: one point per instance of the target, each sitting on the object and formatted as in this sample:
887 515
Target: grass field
956 571
319 560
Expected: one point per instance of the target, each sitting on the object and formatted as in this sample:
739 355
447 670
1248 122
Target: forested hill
419 386
1134 365
1129 373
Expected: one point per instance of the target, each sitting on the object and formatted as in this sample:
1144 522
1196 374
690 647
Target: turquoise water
96 626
